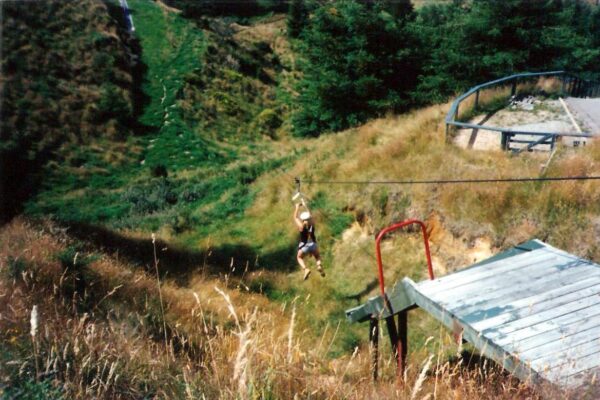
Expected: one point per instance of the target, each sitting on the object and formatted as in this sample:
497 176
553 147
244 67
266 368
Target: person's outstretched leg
302 264
317 256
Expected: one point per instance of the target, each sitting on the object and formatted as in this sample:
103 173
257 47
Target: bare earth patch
542 115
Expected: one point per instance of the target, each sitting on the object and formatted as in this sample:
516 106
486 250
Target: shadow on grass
368 288
180 263
475 131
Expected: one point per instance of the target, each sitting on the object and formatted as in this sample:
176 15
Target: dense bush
151 197
245 8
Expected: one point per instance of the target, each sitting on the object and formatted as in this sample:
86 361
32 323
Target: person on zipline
308 241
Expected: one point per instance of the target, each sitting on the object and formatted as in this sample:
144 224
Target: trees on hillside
242 8
297 17
364 58
356 64
488 39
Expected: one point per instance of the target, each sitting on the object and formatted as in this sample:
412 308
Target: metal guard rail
393 228
453 112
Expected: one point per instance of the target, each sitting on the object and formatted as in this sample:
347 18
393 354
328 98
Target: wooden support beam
402 343
390 322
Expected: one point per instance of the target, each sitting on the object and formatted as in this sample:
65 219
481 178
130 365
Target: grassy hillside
68 77
207 168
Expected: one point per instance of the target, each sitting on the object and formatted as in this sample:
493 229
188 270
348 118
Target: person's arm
296 219
304 205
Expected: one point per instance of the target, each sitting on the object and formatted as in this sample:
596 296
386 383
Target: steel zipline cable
454 181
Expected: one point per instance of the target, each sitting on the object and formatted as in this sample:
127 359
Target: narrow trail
128 16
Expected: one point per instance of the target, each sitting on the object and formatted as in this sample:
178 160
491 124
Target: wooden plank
489 265
521 265
588 376
537 280
544 271
566 355
532 304
499 299
487 347
581 307
532 141
554 346
575 367
559 290
375 306
582 382
549 331
469 274
477 280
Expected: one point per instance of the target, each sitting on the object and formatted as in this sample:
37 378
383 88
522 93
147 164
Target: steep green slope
67 78
206 136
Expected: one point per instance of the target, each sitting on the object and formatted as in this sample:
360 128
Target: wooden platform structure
534 309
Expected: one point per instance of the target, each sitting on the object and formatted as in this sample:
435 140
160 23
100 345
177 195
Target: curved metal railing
571 85
393 228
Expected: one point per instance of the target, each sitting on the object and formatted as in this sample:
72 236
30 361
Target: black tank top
307 234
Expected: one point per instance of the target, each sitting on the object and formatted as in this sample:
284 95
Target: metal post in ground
402 342
374 342
504 141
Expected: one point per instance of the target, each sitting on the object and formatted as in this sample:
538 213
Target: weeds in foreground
222 343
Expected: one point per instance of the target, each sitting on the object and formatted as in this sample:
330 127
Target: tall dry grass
225 344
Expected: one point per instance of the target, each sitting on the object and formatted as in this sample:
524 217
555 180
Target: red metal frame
393 228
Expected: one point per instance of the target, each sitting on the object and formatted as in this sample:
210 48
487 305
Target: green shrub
77 277
113 104
267 122
15 267
152 197
31 390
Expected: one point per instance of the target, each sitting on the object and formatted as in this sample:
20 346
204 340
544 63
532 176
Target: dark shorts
309 248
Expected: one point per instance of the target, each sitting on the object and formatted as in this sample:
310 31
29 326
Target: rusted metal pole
394 227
